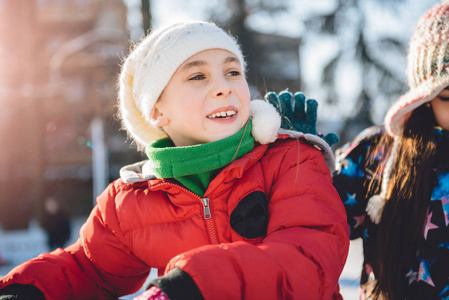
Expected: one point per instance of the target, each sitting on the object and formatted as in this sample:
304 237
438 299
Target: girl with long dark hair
394 180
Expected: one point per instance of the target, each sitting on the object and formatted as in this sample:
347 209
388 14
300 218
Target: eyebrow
197 63
230 59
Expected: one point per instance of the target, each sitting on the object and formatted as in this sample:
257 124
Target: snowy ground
349 279
20 245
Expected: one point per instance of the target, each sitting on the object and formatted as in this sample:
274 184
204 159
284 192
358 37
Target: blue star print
444 245
444 293
443 187
352 169
351 200
423 274
411 275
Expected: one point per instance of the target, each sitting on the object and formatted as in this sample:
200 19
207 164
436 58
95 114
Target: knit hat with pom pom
149 67
427 72
427 66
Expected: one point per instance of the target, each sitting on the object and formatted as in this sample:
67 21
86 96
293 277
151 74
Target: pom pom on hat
149 67
427 66
266 121
375 207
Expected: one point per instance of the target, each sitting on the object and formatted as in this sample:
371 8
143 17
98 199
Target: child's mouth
222 115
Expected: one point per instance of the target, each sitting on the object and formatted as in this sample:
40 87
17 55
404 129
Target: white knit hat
427 66
148 69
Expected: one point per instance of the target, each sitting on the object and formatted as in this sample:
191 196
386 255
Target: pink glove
153 293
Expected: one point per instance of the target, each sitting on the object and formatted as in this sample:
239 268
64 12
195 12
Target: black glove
177 284
294 114
21 292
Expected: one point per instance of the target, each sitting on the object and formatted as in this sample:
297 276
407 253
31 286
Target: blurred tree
379 80
257 47
146 15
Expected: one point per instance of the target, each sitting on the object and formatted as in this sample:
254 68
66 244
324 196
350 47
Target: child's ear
158 118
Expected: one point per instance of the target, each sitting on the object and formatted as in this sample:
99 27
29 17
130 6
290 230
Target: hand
21 292
295 117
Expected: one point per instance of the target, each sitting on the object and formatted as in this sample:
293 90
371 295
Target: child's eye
197 77
444 95
233 73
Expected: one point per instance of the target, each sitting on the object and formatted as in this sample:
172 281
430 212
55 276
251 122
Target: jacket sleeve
72 273
352 177
306 245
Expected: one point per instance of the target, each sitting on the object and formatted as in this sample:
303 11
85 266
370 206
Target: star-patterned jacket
428 276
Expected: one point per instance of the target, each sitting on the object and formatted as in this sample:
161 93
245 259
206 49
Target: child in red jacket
225 207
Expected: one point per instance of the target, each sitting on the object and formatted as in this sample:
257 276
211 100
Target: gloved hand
176 284
295 117
21 292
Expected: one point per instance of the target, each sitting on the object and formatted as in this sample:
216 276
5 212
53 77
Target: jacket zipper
209 222
206 210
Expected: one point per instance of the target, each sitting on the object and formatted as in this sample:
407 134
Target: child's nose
223 93
222 88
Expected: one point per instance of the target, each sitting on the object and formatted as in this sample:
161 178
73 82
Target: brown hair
408 194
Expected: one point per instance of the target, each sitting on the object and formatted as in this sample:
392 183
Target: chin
219 133
227 134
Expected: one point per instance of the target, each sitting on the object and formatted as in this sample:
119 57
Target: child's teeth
222 114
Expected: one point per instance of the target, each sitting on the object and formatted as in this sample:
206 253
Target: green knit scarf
195 166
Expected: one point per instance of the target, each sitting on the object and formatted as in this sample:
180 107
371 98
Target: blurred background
60 60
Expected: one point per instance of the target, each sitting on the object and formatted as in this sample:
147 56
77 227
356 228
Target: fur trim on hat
316 141
400 111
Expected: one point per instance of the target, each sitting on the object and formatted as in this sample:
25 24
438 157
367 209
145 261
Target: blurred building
273 61
59 63
58 69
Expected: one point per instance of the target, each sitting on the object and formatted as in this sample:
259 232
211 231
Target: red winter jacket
270 226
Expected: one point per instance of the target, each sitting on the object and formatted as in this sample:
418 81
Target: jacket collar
142 171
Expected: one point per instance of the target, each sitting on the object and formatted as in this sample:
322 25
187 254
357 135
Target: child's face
440 106
207 99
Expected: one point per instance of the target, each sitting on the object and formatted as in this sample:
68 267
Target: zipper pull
206 208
